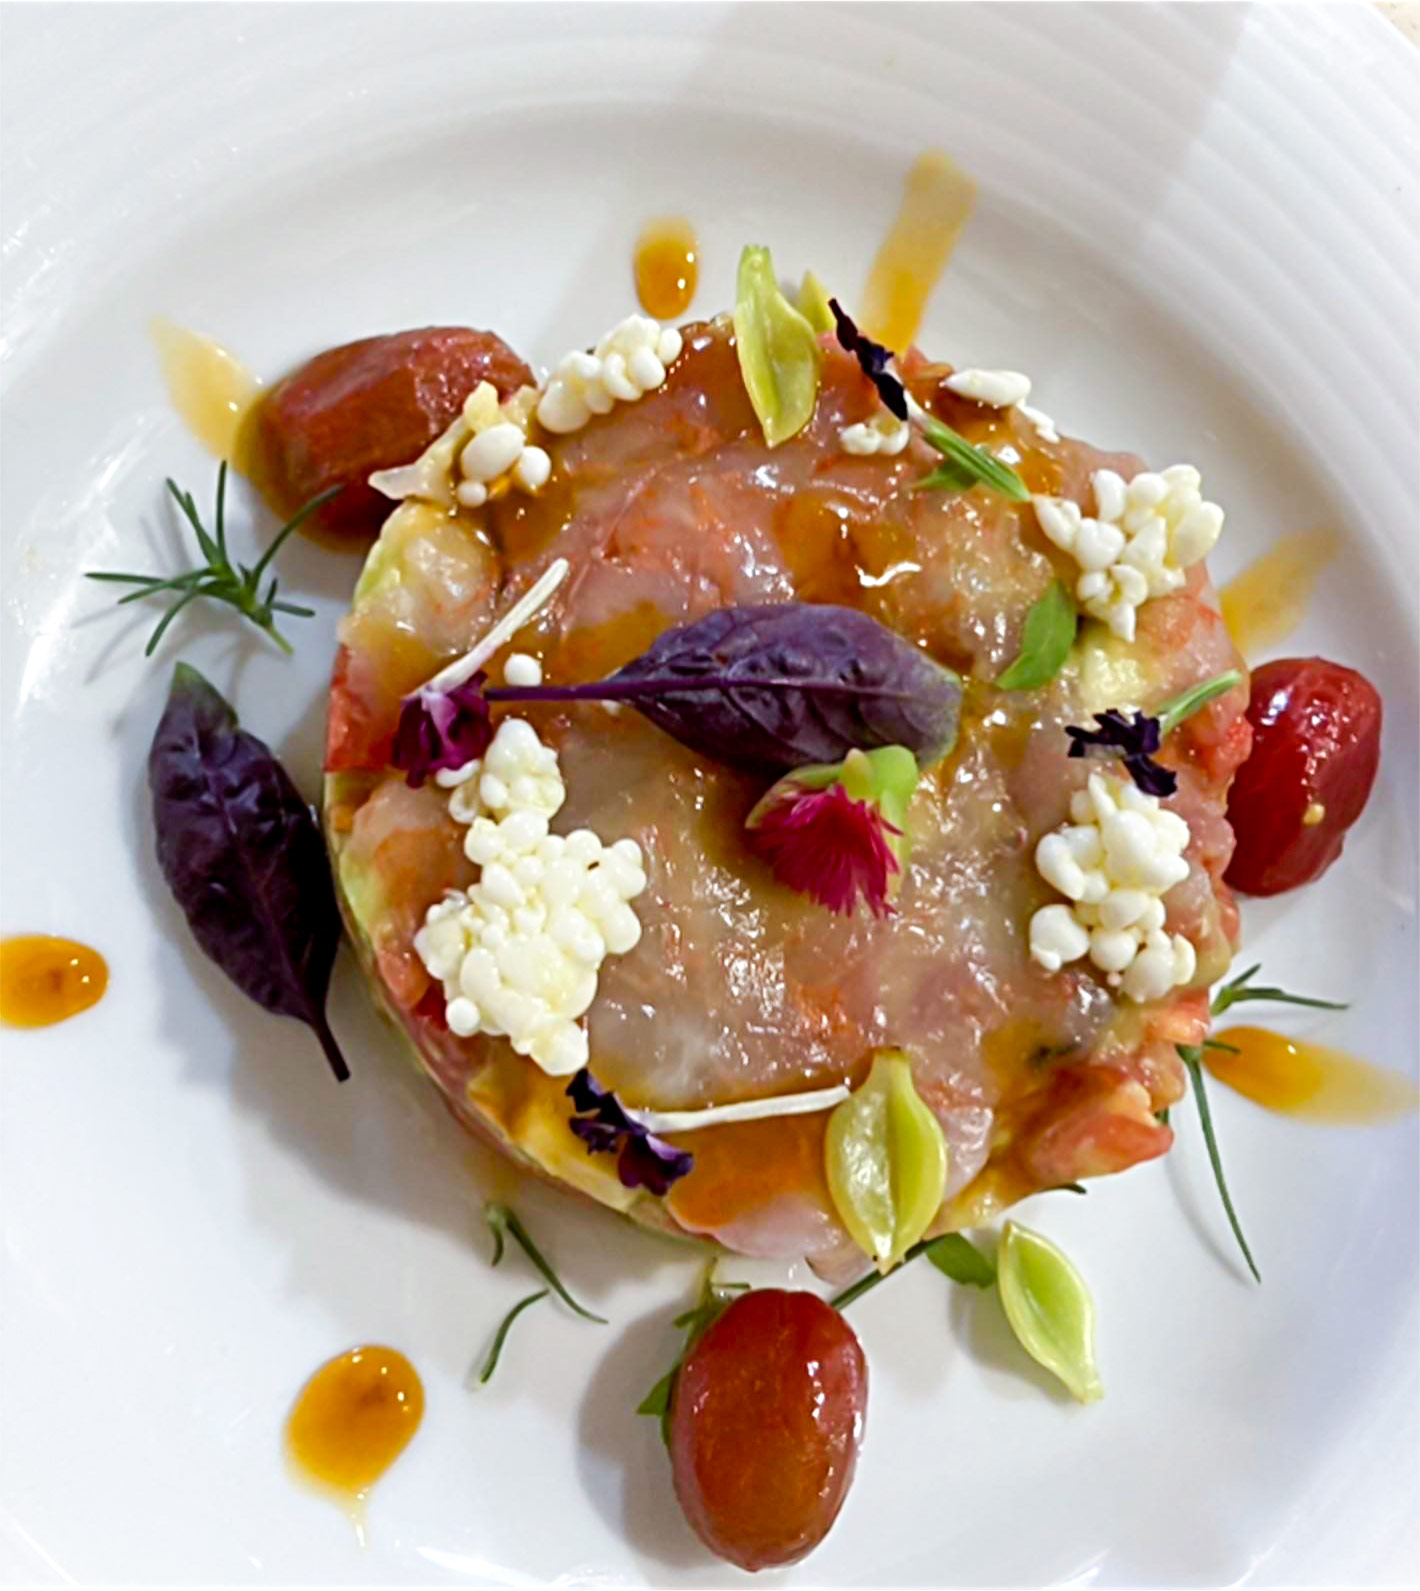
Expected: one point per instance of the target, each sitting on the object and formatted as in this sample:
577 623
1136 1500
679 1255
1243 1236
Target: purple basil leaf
243 856
873 360
769 689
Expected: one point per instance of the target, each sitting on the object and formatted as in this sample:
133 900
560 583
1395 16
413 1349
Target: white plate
1196 232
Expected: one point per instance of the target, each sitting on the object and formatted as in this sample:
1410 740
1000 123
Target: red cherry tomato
765 1423
366 406
1316 743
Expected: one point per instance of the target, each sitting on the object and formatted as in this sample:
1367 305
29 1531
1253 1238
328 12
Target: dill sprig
218 578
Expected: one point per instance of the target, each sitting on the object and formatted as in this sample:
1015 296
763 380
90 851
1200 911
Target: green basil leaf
1046 640
959 1260
886 1159
658 1400
1049 1309
980 466
777 349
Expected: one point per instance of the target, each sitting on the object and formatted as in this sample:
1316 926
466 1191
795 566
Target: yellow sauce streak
666 266
212 391
1309 1080
352 1420
45 980
1269 599
937 199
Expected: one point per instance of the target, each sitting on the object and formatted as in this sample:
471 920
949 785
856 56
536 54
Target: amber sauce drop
213 392
352 1420
1269 599
1309 1080
44 980
666 265
937 200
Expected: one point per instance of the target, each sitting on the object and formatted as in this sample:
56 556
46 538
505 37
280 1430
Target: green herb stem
968 463
501 1218
1173 712
490 1364
1242 988
955 1256
1192 1057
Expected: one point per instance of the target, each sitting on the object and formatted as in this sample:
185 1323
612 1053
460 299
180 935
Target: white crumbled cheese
884 433
1003 389
518 952
1044 425
630 361
486 443
998 389
1144 535
1115 861
520 669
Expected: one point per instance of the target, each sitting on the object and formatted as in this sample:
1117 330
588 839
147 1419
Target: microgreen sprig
218 578
965 463
1242 988
1192 1057
501 1219
490 1364
715 1299
1188 702
1233 993
955 1256
503 1223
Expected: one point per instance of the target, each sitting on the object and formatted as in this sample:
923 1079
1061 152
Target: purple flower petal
1134 740
441 729
650 1163
873 360
600 1137
603 1125
1151 777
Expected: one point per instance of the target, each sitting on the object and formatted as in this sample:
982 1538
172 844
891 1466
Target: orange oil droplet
937 200
666 266
212 391
1270 598
1311 1081
353 1419
44 980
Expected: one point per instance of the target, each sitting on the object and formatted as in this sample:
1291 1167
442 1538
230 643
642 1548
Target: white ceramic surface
1197 231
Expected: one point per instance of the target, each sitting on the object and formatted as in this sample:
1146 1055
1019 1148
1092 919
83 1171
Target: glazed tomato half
1316 744
765 1423
366 406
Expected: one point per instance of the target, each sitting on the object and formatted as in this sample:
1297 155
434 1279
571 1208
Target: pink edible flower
827 845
